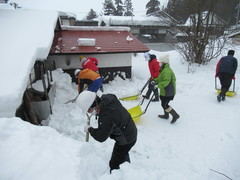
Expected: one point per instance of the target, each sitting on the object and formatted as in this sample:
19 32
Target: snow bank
29 40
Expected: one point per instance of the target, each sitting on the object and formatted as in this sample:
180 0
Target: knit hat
231 52
147 56
164 59
76 72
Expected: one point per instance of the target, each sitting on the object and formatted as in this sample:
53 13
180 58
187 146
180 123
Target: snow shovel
228 93
136 111
88 123
135 97
73 100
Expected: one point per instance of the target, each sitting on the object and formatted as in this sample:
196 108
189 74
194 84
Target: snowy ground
205 139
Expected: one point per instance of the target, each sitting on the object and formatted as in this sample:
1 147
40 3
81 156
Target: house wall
104 60
110 65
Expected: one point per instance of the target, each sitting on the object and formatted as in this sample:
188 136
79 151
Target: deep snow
205 138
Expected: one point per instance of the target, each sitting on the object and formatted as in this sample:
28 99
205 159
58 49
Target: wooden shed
112 46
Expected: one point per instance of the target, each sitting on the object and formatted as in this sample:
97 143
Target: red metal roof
66 42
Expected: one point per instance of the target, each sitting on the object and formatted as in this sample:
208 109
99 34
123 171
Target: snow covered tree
119 8
128 8
204 34
91 15
152 6
108 7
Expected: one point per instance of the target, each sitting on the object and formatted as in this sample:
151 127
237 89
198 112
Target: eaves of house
134 21
101 40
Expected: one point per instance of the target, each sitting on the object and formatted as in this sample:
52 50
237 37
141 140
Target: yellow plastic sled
230 93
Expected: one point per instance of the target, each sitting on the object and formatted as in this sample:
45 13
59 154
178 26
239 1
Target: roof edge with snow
95 28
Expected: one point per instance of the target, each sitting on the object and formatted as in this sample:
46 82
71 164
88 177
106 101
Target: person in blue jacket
225 70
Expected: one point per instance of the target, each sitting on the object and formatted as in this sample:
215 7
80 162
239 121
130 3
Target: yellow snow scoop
228 93
135 97
136 111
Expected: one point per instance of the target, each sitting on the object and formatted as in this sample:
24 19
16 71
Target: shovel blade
135 113
229 93
129 98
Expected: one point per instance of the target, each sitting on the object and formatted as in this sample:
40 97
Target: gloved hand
155 86
233 77
153 82
86 127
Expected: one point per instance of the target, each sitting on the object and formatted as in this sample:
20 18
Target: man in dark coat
225 70
115 122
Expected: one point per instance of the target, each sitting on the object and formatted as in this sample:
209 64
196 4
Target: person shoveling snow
115 122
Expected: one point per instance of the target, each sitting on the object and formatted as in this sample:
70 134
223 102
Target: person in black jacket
225 70
115 122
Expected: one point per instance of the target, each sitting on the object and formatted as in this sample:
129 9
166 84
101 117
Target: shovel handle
216 83
145 85
88 123
145 110
233 84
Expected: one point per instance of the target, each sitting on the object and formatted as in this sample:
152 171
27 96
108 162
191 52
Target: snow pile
202 144
86 42
23 40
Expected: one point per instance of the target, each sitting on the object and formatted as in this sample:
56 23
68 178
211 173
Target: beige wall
104 60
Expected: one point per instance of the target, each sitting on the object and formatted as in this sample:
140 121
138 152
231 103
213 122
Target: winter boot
165 116
223 98
174 114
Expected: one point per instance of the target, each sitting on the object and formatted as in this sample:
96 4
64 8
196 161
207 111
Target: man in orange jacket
89 77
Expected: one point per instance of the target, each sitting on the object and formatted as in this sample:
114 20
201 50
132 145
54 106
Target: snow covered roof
214 19
76 40
134 20
26 35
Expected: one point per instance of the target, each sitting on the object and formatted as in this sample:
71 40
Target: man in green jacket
167 84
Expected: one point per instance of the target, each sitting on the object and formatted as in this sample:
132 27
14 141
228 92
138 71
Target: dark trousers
165 101
120 155
226 81
151 89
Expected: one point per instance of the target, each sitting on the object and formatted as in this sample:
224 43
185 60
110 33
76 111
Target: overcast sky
80 5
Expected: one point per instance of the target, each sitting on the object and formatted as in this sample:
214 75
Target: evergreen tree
128 7
175 9
119 8
108 7
91 15
153 6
